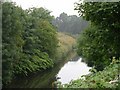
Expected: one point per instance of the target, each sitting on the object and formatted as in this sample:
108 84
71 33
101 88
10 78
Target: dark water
66 70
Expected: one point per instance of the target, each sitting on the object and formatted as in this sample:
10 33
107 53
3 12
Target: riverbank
41 79
65 52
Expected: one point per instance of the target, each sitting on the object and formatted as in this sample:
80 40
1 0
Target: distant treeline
71 24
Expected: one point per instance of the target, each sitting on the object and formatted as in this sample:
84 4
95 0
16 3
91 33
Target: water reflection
41 79
65 70
73 70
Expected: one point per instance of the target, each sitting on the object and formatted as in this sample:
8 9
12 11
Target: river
66 71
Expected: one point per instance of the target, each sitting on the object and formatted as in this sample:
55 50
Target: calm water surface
72 70
66 70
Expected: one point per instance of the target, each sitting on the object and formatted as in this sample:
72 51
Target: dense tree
104 14
100 42
93 47
41 21
29 41
11 38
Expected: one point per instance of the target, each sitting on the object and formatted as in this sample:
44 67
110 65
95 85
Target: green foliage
34 63
100 42
40 32
29 41
108 78
104 14
12 41
95 45
40 13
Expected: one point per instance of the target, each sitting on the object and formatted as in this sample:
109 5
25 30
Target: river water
72 70
65 70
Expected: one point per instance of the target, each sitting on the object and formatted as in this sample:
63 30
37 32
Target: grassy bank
66 46
108 78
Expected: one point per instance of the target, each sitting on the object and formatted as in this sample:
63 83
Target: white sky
56 6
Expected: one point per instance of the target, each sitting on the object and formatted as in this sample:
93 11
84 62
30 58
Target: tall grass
65 46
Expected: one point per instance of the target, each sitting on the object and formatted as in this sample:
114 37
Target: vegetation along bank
99 45
30 42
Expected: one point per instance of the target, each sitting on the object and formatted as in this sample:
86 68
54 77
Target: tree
104 14
70 24
102 37
42 30
29 41
12 41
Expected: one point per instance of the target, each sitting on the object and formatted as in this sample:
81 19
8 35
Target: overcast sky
56 6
